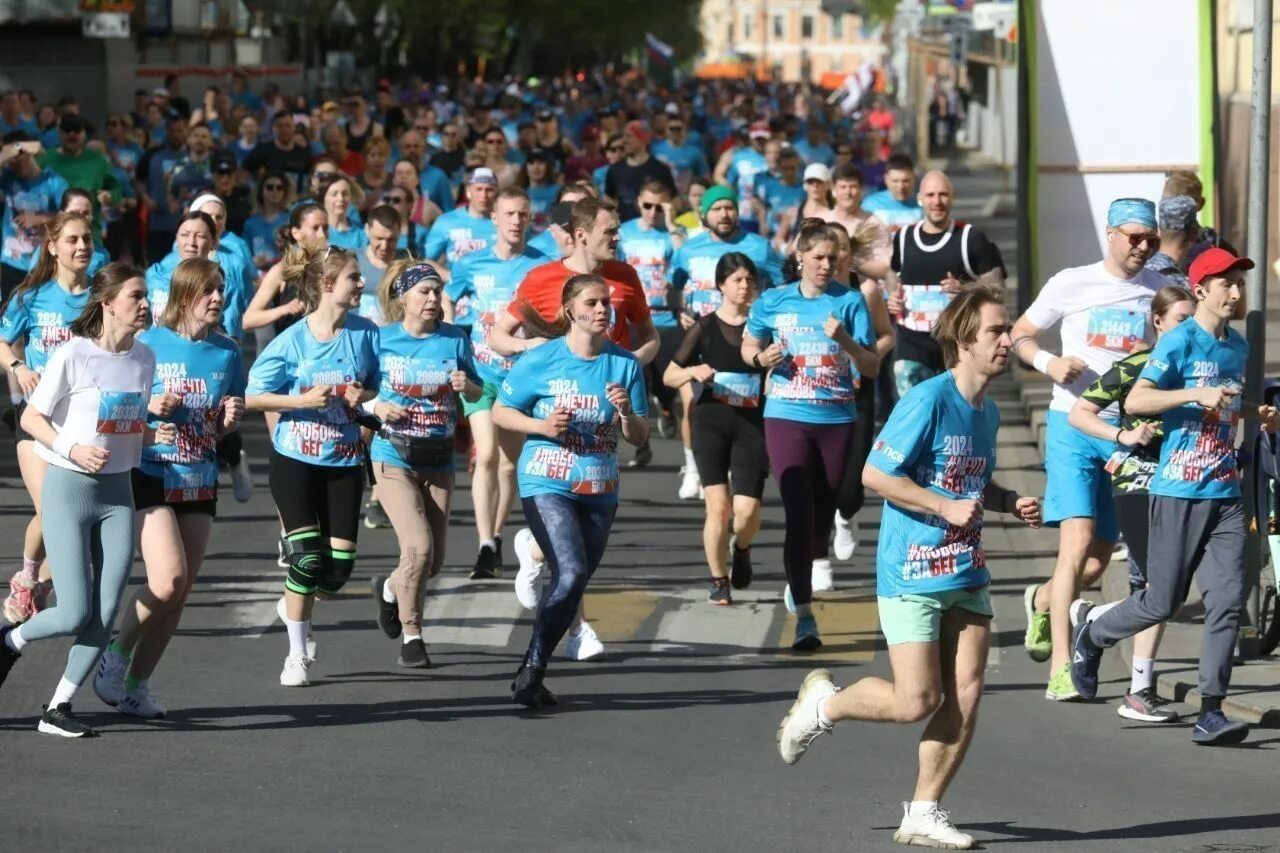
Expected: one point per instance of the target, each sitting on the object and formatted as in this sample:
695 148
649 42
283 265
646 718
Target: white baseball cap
817 172
483 175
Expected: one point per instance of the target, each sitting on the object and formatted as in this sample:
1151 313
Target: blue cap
1177 213
1124 211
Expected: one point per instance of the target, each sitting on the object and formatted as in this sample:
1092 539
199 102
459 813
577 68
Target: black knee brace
338 565
305 555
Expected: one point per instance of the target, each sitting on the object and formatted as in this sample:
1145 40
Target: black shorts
727 442
324 496
20 434
148 491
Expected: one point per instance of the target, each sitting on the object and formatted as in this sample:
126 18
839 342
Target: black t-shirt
555 153
922 260
717 344
451 162
267 157
623 182
239 206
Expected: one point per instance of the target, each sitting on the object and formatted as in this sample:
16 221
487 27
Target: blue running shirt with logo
488 284
41 319
649 252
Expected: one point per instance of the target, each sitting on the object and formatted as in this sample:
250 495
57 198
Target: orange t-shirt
543 289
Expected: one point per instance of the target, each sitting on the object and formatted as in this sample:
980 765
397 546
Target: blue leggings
87 521
572 535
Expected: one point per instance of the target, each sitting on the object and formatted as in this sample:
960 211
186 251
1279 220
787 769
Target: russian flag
659 50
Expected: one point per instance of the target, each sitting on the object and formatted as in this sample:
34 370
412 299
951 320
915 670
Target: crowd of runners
518 278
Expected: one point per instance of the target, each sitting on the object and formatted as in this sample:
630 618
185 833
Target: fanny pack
421 452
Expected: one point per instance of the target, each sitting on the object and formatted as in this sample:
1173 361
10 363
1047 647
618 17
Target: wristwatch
15 364
755 360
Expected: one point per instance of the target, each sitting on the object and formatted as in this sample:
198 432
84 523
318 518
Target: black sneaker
413 654
719 593
374 516
497 555
7 655
1212 728
487 566
667 424
529 691
644 455
741 572
388 611
61 722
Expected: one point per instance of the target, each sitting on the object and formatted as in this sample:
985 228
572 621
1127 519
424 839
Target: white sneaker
108 681
690 485
241 479
295 670
529 577
139 702
281 612
583 644
823 578
801 724
933 828
846 542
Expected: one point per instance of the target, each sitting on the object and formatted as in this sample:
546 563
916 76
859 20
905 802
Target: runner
86 418
198 386
896 205
275 304
728 426
488 279
933 465
274 201
1132 466
573 396
1104 311
38 316
33 195
466 229
335 192
423 363
739 168
808 335
314 374
1194 380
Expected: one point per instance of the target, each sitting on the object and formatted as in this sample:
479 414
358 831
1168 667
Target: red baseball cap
759 130
639 131
1215 261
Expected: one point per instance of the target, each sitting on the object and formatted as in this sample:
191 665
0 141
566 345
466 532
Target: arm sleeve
908 431
689 351
55 382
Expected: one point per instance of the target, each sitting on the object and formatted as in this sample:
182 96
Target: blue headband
1136 210
412 277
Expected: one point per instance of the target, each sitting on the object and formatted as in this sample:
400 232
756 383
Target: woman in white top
88 418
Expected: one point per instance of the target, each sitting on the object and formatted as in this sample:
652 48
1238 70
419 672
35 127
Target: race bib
924 304
815 370
736 389
195 481
1116 329
585 474
120 413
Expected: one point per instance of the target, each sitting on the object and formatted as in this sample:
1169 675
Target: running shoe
295 671
740 569
388 611
801 724
139 702
1147 706
1214 729
311 637
529 576
807 637
824 579
1039 638
7 655
583 644
108 681
374 516
667 424
1086 656
61 722
690 485
413 654
497 553
486 567
845 542
1060 688
643 456
21 603
932 828
527 689
242 479
719 593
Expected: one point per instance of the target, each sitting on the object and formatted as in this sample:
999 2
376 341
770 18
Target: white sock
409 638
1142 675
490 544
297 635
14 640
823 718
1095 612
688 460
387 595
920 807
66 690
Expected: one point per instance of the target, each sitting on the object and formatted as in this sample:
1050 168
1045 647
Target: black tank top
717 344
923 260
355 141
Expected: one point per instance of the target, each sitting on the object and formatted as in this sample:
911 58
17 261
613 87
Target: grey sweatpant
87 520
1189 537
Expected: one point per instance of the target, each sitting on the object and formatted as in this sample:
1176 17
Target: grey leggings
87 521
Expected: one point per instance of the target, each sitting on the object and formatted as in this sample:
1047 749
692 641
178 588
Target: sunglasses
494 141
273 188
614 149
394 199
1136 240
648 205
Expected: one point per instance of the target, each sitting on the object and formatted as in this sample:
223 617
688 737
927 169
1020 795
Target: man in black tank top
934 258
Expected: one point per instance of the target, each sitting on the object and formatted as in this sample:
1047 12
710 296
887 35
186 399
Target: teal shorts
488 396
918 618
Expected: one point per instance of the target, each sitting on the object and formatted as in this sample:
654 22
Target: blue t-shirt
649 252
41 195
599 176
459 233
434 185
487 284
160 168
541 200
936 439
202 373
353 239
237 288
823 153
892 212
260 233
546 244
779 198
582 463
234 243
816 380
1198 456
415 376
693 267
295 362
686 162
127 155
746 167
41 318
419 247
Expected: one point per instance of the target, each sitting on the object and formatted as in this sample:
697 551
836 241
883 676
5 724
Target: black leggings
1133 513
229 447
851 495
309 495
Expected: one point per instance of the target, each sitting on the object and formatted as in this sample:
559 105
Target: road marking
459 612
617 615
696 627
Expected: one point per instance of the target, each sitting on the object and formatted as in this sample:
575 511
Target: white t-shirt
1103 318
96 397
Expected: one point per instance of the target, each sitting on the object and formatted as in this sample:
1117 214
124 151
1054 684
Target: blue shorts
1077 486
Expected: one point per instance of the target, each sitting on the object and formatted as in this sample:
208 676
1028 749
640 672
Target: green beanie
719 192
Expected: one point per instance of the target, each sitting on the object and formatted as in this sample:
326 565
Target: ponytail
307 268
